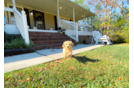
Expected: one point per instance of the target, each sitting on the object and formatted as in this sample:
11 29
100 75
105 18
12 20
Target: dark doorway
55 20
28 19
39 19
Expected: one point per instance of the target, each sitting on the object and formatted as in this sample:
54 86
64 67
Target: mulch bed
11 52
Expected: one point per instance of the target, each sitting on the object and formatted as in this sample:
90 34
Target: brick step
46 34
43 40
52 37
31 36
46 46
41 33
50 41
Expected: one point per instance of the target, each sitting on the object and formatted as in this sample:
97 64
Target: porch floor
17 62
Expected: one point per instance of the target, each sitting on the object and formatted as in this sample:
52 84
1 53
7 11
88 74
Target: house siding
49 21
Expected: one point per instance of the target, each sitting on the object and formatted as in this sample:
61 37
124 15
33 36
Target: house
39 21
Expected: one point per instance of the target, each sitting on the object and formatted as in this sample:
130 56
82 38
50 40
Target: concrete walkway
17 62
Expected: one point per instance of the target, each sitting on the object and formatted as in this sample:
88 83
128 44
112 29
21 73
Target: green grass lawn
105 67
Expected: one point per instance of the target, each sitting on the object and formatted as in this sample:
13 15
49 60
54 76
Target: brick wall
86 38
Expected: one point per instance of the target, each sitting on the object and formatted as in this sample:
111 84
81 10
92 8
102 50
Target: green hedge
17 43
118 36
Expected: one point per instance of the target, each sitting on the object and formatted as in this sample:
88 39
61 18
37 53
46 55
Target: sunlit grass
105 67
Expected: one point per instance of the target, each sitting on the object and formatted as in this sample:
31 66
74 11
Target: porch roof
50 6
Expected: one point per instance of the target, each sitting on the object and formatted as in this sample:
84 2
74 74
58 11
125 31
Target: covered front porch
64 13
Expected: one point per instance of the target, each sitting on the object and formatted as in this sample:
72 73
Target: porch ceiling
50 6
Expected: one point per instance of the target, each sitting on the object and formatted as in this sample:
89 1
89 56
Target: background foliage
112 17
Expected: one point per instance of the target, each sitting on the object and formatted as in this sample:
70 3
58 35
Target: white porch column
58 23
14 6
77 36
25 28
74 15
91 23
75 25
84 18
84 21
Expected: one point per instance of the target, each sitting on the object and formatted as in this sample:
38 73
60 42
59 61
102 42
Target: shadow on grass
84 59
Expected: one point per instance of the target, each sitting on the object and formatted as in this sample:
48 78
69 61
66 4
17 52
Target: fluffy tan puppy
67 48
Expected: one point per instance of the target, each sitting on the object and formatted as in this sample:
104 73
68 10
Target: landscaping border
10 52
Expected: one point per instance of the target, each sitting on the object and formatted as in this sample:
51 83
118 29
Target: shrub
117 36
9 38
17 43
117 39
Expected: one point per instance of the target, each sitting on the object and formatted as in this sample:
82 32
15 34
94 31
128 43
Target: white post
84 21
75 25
13 1
92 30
77 36
84 18
91 24
58 23
74 15
25 27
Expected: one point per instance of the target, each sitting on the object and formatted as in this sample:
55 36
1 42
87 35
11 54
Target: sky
117 10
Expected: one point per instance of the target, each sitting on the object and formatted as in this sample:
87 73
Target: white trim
84 33
39 30
8 9
58 16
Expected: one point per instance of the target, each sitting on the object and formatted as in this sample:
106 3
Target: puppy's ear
63 45
72 43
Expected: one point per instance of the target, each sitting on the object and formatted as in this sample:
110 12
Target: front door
39 19
55 20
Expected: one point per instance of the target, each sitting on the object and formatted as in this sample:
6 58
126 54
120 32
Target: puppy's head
68 44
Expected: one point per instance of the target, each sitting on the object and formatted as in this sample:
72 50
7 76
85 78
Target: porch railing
18 21
70 28
73 29
21 23
85 28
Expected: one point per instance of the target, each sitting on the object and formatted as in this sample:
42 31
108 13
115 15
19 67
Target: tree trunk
105 16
